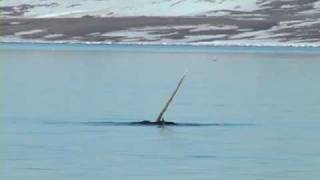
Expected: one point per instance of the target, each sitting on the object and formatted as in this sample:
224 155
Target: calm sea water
55 100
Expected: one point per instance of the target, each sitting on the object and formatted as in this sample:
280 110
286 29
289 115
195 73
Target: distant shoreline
163 45
187 48
196 31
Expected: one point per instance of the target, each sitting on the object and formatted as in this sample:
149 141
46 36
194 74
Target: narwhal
160 119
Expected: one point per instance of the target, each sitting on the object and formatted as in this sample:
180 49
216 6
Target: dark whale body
154 123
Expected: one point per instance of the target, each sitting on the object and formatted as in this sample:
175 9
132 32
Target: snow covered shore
209 22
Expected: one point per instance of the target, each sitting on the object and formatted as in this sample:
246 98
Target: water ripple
150 123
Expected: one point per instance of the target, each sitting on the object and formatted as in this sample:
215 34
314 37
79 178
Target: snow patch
15 23
104 8
315 10
95 34
209 38
287 6
209 27
127 34
297 24
34 31
52 36
316 5
137 34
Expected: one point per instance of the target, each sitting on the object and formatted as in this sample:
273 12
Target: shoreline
213 44
188 48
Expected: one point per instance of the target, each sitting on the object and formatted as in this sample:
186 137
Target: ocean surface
253 112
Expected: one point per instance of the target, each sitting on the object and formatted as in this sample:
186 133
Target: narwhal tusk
160 118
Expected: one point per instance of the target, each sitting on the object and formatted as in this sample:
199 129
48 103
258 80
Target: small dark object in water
151 123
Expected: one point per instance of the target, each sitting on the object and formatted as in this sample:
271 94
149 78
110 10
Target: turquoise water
57 100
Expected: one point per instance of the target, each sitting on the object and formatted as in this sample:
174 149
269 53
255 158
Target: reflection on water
67 113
